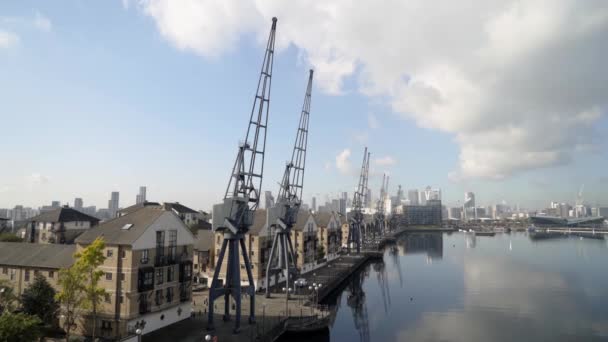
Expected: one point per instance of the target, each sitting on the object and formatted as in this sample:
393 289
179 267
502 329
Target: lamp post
138 333
263 319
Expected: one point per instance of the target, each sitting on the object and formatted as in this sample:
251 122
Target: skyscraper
113 204
141 197
314 203
469 206
268 199
412 195
78 203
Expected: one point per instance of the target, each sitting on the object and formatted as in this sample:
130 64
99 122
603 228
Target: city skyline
154 105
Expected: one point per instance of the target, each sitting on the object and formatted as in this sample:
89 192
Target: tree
88 261
39 300
7 297
8 237
71 295
19 327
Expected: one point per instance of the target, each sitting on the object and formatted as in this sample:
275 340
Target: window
172 244
108 276
27 275
107 298
4 270
149 279
169 294
218 239
159 275
159 297
185 250
106 325
144 256
170 276
123 253
121 299
43 236
160 252
51 274
122 276
12 274
109 253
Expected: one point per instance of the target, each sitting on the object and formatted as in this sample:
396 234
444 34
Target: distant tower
314 203
113 203
141 197
78 203
268 199
469 206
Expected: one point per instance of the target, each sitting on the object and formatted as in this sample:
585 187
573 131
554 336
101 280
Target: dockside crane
284 214
235 215
379 216
356 221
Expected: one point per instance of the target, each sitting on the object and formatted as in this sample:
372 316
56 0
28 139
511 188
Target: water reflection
554 291
356 301
429 243
470 239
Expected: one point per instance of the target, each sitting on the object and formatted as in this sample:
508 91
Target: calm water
440 287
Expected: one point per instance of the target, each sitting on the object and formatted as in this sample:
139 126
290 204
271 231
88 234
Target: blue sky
98 100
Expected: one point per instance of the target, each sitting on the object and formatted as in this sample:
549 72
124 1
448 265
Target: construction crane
284 213
235 215
380 215
356 220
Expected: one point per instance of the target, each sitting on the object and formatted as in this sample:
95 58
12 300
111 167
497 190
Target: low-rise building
189 216
204 257
148 271
20 262
329 233
4 224
258 242
60 225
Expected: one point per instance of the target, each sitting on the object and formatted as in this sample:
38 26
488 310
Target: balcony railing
160 260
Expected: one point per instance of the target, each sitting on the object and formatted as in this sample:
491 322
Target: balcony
144 307
184 292
160 260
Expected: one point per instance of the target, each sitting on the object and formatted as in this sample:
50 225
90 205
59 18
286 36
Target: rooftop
123 230
36 255
180 208
63 214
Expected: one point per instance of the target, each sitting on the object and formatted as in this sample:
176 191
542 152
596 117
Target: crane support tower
284 214
235 215
356 219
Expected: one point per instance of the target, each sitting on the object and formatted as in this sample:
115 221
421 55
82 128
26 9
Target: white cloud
518 84
385 161
36 179
42 23
343 163
372 121
8 39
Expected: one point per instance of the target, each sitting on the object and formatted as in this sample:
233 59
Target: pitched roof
204 240
303 216
323 218
137 206
63 214
259 222
113 232
36 255
180 208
